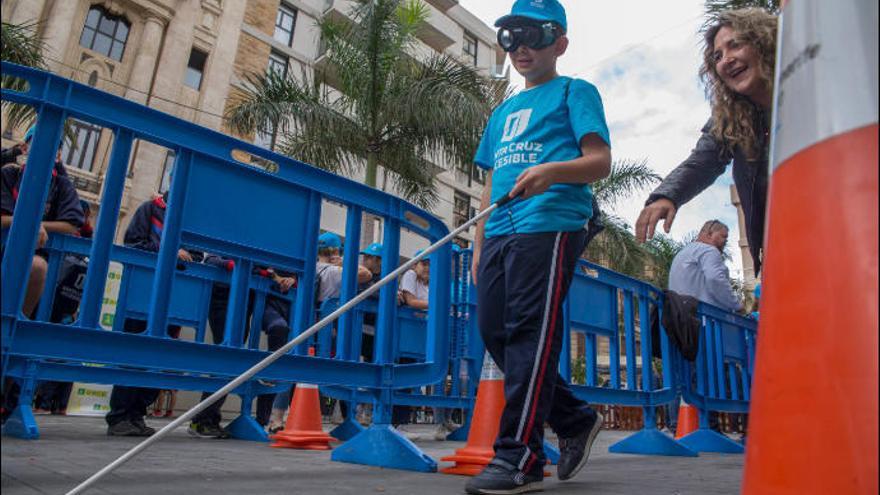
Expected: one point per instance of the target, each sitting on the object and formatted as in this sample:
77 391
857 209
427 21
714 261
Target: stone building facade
187 57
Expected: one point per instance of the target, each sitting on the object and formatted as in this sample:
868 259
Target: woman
738 63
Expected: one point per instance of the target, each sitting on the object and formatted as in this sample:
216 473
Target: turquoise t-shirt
533 127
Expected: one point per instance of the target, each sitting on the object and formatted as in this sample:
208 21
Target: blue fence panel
218 203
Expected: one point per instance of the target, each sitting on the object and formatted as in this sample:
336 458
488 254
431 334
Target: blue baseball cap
30 133
539 10
329 240
374 249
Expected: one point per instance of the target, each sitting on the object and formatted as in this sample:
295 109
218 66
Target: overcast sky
643 56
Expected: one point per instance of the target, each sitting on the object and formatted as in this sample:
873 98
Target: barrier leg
21 422
461 433
706 439
551 452
382 445
245 427
349 427
651 441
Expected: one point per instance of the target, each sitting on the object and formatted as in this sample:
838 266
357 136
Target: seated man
62 214
698 270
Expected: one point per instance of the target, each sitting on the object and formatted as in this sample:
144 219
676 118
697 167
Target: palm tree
717 6
391 110
20 45
616 247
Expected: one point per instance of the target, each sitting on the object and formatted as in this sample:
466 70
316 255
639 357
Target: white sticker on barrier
111 295
827 80
89 399
490 371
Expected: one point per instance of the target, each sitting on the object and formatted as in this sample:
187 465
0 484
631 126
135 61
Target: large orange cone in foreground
473 457
688 420
817 336
303 428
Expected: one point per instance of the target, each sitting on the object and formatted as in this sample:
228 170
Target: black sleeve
138 232
8 179
65 203
706 162
9 155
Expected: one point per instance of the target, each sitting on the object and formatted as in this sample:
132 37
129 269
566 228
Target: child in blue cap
545 144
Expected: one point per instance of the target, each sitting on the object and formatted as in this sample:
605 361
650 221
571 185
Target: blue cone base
21 424
247 428
651 442
383 446
347 430
711 441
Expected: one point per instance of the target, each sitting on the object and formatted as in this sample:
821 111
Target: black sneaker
502 478
125 428
575 451
146 431
207 430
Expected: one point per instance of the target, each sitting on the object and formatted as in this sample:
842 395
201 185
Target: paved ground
71 449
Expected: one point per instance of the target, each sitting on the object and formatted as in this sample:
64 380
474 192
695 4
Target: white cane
229 387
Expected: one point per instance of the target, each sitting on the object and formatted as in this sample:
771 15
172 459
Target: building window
105 33
277 63
478 175
85 138
195 69
470 47
284 22
460 209
165 183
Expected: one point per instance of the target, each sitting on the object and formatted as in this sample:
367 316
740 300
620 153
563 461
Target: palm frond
627 178
616 248
20 45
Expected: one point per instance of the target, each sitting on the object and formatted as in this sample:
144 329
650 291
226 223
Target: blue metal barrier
409 342
720 378
209 210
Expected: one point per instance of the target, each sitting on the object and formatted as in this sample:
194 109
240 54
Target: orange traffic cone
817 338
303 428
688 420
471 459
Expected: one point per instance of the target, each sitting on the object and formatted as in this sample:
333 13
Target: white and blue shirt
539 125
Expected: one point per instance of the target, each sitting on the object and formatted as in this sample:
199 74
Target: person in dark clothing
9 155
275 323
738 64
52 396
128 405
62 214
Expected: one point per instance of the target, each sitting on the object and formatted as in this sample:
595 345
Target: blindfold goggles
535 36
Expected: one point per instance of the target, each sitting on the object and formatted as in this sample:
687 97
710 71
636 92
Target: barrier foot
460 434
21 424
651 442
247 428
706 440
348 429
551 452
383 446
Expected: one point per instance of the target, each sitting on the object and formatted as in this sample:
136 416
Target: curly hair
734 116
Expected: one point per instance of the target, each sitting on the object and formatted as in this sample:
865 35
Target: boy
545 145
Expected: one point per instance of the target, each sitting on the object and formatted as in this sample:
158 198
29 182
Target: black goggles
535 36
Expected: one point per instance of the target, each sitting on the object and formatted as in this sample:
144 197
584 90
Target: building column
169 72
59 26
27 11
218 73
145 61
